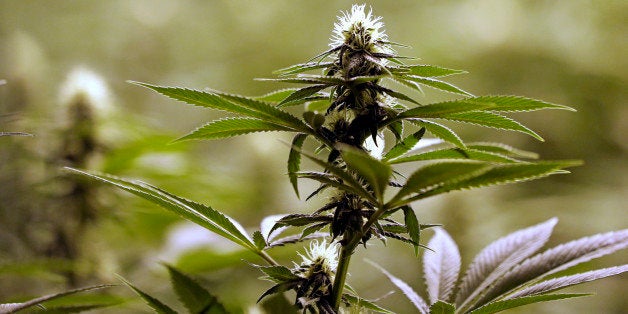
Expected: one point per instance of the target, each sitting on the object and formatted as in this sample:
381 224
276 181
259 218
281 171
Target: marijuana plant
349 109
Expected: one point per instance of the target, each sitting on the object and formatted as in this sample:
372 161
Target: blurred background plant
65 65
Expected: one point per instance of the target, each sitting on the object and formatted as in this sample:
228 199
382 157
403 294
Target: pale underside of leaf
498 258
441 266
416 300
503 305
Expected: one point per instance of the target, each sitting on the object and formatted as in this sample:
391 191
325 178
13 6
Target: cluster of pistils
360 30
317 270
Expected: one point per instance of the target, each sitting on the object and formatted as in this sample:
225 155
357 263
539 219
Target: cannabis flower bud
360 30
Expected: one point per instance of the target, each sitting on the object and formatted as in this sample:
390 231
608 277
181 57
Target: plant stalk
341 274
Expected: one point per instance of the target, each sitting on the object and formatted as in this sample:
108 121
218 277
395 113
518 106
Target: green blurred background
57 56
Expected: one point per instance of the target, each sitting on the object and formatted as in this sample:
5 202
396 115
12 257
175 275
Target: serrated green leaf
425 70
437 84
376 173
502 305
440 131
408 83
442 109
441 307
308 79
491 120
259 240
436 175
231 103
363 303
502 149
516 103
276 96
195 298
281 287
331 180
399 95
454 153
404 146
277 274
303 93
229 127
357 80
202 215
312 229
302 67
346 177
15 307
294 160
157 306
502 174
413 227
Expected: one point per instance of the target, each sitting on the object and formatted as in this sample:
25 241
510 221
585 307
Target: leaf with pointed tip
346 177
517 103
157 306
15 307
502 305
416 300
281 287
426 70
503 174
454 153
312 229
436 175
294 160
330 180
498 258
559 258
229 127
277 274
259 240
276 96
404 146
440 307
437 84
302 67
440 131
443 109
297 238
231 103
441 266
376 173
308 79
266 227
15 134
399 95
359 303
357 80
413 227
491 120
303 93
202 215
566 281
502 149
195 298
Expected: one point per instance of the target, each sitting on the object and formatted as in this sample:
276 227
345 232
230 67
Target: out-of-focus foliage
567 52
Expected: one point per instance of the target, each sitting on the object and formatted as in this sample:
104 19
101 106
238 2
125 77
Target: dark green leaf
302 67
425 70
502 305
516 103
374 171
277 274
405 146
441 307
259 240
502 174
436 175
200 214
437 84
276 96
231 127
294 160
309 79
157 306
284 286
442 109
303 93
195 298
397 129
300 220
502 149
359 303
329 179
412 224
440 131
312 229
454 153
491 120
399 95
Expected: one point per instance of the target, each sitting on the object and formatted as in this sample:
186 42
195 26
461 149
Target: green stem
341 275
267 258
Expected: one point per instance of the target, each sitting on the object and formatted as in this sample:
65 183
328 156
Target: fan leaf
491 120
404 146
502 305
416 300
195 298
441 266
157 306
374 171
231 127
294 160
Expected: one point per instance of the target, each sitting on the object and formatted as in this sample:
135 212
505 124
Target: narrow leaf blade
441 266
231 127
503 305
195 298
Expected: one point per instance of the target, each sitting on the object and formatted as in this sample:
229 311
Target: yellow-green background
567 52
